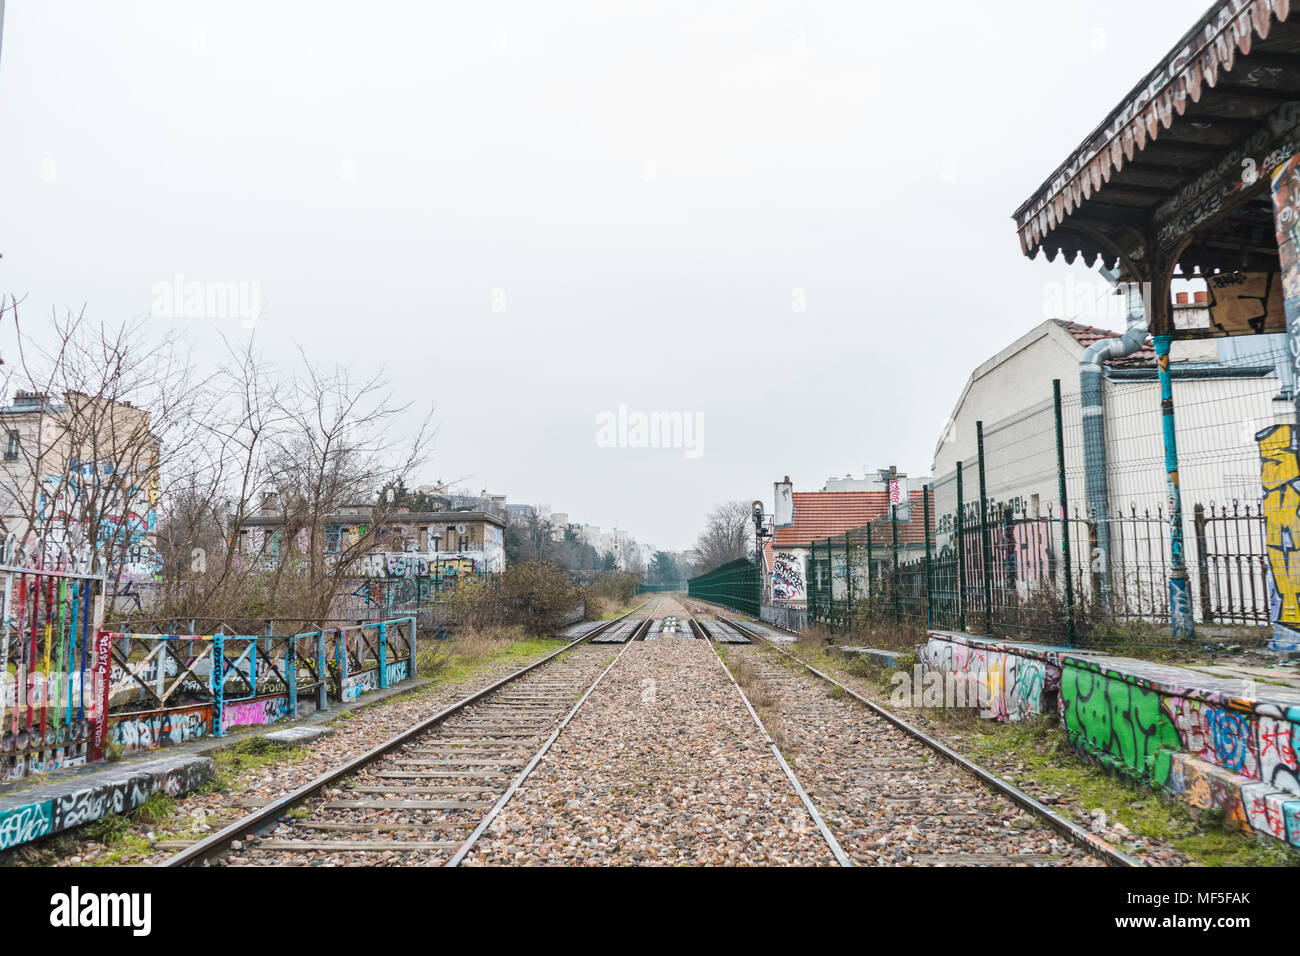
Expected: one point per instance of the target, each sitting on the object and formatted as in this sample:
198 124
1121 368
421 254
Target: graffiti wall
1006 686
49 809
1280 478
132 733
408 579
1118 722
360 683
252 713
1217 743
787 576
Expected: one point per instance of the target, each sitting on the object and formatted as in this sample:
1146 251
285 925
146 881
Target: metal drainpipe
1094 422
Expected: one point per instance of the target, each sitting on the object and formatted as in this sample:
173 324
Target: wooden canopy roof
1179 170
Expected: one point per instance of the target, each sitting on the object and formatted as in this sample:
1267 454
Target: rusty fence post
1202 563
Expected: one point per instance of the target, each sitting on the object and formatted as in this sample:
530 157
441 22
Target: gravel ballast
662 765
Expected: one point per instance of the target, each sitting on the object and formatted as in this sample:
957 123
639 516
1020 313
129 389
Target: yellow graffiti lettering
1280 476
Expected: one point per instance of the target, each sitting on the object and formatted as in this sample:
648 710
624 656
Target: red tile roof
822 514
1085 335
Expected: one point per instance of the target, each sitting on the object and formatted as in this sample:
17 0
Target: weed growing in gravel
764 697
254 754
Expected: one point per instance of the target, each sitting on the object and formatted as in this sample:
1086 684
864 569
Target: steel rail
1068 828
837 851
218 842
524 774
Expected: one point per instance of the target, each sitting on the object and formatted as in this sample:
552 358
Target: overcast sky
533 213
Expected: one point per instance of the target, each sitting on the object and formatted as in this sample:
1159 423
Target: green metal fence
737 585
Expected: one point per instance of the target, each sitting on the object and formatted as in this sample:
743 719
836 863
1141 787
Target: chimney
1181 298
1202 297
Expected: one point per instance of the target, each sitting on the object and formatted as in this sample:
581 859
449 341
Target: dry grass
467 648
766 699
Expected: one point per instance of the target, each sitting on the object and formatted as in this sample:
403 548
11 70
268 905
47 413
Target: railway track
721 632
425 795
880 789
667 765
870 782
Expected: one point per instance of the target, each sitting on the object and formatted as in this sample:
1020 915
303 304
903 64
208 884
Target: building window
11 449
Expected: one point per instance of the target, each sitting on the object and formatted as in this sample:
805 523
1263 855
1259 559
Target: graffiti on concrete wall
28 816
407 579
17 767
150 731
1280 477
1215 744
360 683
251 713
1004 686
397 671
787 577
25 823
1220 735
1118 722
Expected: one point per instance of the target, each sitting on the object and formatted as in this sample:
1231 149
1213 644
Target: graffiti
1279 743
1223 737
1119 723
251 713
787 577
1215 746
360 683
136 732
396 671
17 767
120 795
123 684
102 645
1280 477
109 491
402 579
1005 686
1203 789
24 823
1246 303
82 806
57 807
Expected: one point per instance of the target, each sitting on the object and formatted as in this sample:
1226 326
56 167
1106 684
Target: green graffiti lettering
1119 723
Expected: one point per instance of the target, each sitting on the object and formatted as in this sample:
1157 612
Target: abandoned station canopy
1178 173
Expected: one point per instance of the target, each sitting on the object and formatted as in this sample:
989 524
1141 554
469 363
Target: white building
1225 392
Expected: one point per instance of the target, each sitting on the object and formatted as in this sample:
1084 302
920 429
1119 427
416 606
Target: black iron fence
1007 574
998 547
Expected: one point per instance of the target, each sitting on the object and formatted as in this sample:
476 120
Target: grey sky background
646 184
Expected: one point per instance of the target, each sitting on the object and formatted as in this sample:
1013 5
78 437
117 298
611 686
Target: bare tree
121 455
295 451
95 407
728 534
341 447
